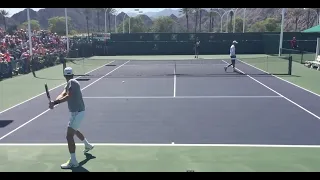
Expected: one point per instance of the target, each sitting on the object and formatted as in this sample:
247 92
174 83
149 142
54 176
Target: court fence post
290 65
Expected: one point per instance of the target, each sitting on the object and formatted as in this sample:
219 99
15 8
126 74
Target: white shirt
232 50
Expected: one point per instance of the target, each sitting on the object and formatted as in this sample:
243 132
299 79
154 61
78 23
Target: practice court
171 117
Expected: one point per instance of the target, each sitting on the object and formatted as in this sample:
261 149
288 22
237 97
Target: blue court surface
179 109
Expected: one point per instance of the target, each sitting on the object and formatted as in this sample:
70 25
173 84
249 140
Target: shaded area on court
4 123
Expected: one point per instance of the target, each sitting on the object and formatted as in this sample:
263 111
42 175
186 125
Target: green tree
73 32
163 24
136 25
272 24
267 25
229 26
34 24
238 24
258 27
4 14
58 25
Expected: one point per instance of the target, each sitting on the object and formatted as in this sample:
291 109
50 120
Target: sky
12 11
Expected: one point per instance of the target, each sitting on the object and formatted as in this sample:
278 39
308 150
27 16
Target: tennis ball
122 81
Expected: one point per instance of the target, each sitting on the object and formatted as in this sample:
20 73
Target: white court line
282 79
174 82
168 145
314 115
50 90
169 65
177 97
49 109
104 76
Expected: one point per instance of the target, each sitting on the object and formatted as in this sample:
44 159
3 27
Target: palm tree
308 18
110 11
210 20
87 12
98 10
296 13
200 15
196 11
231 14
317 10
4 14
186 12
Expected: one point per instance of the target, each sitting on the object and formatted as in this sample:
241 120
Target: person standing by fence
294 44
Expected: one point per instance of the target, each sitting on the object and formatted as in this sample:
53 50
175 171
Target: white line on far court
49 109
168 145
296 104
178 97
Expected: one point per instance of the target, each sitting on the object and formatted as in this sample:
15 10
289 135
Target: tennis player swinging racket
72 94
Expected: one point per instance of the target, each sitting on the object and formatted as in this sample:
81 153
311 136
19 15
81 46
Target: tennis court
176 114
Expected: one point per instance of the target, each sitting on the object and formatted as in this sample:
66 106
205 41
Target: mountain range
152 15
305 20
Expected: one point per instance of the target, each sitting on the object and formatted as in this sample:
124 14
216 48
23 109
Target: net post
301 61
290 66
267 63
175 68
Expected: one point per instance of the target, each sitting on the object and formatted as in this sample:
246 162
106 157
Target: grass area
301 75
164 159
304 77
269 64
23 87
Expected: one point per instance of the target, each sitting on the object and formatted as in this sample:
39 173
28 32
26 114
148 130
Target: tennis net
264 65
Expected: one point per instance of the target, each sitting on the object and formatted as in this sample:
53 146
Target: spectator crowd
15 57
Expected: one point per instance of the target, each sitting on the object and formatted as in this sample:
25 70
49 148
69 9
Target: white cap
234 42
68 71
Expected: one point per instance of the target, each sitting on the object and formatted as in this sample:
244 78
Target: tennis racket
47 91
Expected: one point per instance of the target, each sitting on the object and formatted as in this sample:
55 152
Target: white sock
73 157
86 143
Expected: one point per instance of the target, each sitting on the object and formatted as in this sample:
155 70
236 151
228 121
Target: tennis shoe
88 148
69 164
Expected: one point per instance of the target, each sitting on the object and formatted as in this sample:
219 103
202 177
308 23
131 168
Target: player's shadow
80 168
4 123
57 79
